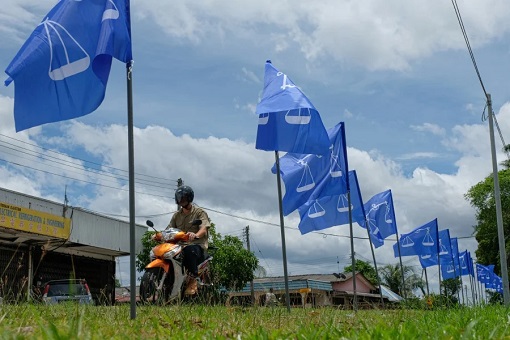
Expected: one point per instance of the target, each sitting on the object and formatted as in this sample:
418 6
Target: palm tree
391 276
260 272
506 162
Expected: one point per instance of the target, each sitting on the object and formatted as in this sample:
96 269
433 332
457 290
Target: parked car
74 290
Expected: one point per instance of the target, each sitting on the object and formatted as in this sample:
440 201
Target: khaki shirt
182 221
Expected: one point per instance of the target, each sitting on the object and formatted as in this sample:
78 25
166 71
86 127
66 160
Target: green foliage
366 269
450 288
142 258
481 197
391 276
233 265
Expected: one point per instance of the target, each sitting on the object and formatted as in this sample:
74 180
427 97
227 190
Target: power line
466 39
80 159
471 54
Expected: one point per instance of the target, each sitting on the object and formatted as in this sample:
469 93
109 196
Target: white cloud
428 127
378 35
418 155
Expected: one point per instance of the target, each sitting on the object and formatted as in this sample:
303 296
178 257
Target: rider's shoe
192 287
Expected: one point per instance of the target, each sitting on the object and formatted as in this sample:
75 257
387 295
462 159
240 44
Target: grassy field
26 321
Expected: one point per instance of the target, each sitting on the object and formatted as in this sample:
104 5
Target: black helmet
184 192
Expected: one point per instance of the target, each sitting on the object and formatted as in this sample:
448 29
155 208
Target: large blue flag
380 217
62 69
332 209
421 241
288 121
310 175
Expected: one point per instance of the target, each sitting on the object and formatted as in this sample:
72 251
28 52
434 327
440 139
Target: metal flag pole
375 262
282 229
401 268
426 281
131 153
355 297
497 198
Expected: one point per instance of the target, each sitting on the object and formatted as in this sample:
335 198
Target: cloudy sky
397 73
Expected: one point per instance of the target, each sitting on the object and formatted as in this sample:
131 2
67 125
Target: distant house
316 290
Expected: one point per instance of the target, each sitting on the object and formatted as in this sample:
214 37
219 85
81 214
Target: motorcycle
165 278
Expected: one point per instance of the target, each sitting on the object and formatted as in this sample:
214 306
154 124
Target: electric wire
471 54
82 160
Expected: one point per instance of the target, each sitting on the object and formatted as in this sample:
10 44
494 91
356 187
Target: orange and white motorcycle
165 277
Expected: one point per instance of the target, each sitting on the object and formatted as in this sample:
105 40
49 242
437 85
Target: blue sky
398 74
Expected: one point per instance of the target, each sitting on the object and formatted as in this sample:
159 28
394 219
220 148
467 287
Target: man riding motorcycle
197 235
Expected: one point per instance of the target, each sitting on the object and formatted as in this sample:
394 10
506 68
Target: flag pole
355 297
282 229
401 268
375 262
426 280
132 233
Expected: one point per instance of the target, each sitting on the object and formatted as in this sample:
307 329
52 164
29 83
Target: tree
481 197
233 265
451 287
366 269
142 258
391 276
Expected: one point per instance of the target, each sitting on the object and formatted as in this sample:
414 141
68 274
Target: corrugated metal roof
91 234
264 284
392 296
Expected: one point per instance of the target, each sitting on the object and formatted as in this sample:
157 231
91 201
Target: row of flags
320 186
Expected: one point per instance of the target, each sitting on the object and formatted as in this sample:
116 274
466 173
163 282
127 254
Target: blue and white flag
288 121
421 241
332 209
310 175
484 273
450 267
445 251
62 69
464 259
380 217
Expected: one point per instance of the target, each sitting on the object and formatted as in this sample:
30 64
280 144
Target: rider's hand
157 236
191 236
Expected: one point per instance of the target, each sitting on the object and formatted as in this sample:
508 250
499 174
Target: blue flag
310 175
332 209
288 121
464 259
484 273
450 267
62 69
421 241
380 217
445 251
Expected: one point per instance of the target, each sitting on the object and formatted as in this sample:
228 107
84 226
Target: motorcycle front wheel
149 286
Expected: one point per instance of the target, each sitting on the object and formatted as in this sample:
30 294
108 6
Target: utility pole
180 182
252 289
499 216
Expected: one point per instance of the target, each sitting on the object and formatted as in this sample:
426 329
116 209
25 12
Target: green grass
68 321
